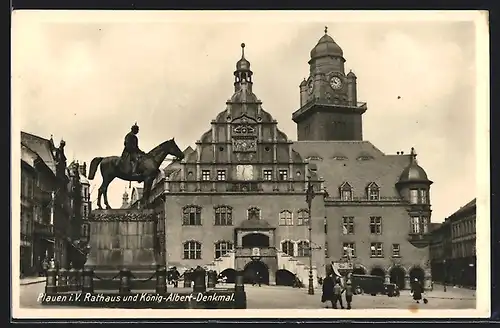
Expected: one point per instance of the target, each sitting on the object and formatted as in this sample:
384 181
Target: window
287 247
376 250
348 225
373 191
286 218
375 225
346 192
223 216
419 225
192 250
253 213
85 211
348 250
303 248
222 247
221 175
85 230
423 196
205 175
283 175
396 250
303 217
414 196
191 215
268 175
326 249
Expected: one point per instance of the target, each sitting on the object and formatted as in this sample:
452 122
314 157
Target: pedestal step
141 280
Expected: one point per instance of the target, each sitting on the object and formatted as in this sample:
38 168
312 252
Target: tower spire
326 29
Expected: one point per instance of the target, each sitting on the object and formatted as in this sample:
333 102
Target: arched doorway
377 272
398 277
417 273
255 240
230 275
359 270
284 278
256 269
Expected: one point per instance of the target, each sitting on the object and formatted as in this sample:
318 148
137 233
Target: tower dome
243 64
326 46
413 172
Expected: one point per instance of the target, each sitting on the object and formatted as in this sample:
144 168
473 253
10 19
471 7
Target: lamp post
309 198
444 275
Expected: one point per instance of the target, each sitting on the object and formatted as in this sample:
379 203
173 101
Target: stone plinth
122 238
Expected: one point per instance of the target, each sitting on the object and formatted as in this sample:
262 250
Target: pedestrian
327 289
348 293
45 267
416 290
337 294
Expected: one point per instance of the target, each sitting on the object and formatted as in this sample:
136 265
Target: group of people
333 290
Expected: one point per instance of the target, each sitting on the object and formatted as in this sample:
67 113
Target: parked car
391 290
368 284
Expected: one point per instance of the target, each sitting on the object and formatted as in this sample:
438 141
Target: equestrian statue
133 165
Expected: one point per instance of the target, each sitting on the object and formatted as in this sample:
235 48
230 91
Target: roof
434 226
326 46
122 215
254 224
43 147
413 173
467 207
356 162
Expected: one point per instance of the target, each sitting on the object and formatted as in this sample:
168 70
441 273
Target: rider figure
132 147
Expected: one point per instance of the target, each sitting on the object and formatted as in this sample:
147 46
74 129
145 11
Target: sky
87 77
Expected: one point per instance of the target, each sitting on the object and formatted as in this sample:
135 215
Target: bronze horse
147 168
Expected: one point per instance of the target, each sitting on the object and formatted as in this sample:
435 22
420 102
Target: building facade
48 204
237 201
453 248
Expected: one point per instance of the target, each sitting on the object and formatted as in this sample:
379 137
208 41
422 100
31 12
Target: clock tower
329 108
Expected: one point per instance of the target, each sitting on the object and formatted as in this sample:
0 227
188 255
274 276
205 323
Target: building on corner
237 199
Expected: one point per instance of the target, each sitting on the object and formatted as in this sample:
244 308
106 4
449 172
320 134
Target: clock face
244 172
310 86
336 82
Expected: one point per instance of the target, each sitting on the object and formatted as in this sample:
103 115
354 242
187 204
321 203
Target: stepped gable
123 215
355 162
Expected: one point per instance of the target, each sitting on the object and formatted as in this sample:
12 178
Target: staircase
301 270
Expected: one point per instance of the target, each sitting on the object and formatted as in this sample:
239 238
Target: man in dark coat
132 153
348 293
327 287
416 290
337 294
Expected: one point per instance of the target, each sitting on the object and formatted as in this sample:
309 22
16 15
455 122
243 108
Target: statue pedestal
122 238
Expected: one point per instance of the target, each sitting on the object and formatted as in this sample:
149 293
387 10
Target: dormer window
346 192
373 191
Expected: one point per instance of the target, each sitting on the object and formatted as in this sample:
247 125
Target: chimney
83 169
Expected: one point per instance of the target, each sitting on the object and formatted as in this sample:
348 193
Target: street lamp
309 197
444 273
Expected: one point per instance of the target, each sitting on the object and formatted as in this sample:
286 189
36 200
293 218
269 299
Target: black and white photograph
250 164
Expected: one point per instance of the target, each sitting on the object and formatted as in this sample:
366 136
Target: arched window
223 215
222 247
191 215
303 217
286 218
287 247
303 248
253 213
192 250
373 191
346 192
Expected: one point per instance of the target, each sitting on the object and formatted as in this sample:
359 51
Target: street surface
280 297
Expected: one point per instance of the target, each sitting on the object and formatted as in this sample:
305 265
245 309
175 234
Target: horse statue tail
93 167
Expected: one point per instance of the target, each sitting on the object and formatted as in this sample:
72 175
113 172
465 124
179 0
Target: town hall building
237 201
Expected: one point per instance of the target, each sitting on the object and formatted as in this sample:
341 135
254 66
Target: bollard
240 297
125 277
187 279
212 279
72 280
79 279
88 280
199 280
63 281
51 281
161 280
